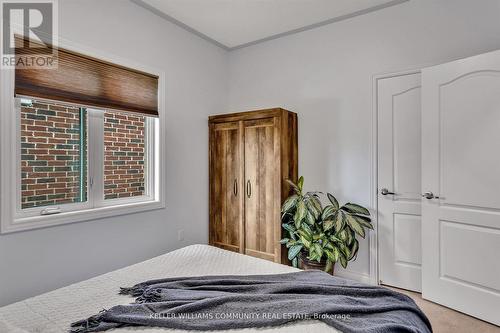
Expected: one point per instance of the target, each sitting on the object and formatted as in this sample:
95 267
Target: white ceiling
234 23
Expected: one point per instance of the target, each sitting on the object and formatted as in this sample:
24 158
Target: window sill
43 221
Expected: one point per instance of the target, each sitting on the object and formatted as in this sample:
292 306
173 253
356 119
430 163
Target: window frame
96 167
13 218
36 211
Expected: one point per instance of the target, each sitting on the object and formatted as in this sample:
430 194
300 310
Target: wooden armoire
251 154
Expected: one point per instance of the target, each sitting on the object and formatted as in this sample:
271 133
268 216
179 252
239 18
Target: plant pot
307 264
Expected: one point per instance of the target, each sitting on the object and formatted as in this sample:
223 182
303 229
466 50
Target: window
53 154
74 158
83 141
124 155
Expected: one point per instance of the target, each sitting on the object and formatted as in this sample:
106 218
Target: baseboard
360 277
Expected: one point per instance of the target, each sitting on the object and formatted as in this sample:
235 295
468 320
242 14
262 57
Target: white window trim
26 214
10 221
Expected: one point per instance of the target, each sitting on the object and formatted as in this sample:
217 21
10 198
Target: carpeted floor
445 320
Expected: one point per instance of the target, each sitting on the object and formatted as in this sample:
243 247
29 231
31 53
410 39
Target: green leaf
331 255
354 249
328 253
319 251
305 241
333 200
335 239
345 250
295 262
335 253
305 233
289 203
300 214
342 235
310 218
354 224
284 240
343 261
300 183
328 224
307 228
364 221
356 209
350 237
293 186
339 220
294 251
316 202
329 266
288 228
328 212
311 209
314 206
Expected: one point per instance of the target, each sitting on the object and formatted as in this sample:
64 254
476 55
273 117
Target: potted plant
317 236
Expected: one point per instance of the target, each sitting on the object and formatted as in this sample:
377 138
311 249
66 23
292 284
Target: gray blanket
229 302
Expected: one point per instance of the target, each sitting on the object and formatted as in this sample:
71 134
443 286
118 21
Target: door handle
249 189
429 195
235 187
385 191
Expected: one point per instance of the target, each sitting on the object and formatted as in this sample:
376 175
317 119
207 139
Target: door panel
407 239
478 92
461 228
453 254
261 186
226 187
399 148
406 114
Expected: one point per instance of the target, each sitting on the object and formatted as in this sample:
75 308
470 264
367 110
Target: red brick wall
123 155
50 161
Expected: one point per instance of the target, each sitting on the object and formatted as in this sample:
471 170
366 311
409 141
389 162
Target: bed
54 311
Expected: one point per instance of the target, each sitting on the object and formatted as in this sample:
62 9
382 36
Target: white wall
34 262
325 75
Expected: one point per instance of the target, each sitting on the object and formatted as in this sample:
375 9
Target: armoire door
262 188
461 184
399 181
226 186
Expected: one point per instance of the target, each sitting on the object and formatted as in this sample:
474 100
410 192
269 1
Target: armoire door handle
235 187
249 189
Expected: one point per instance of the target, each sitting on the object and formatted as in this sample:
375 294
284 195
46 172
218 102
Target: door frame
417 69
373 238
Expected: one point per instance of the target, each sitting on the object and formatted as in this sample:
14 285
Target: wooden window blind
88 81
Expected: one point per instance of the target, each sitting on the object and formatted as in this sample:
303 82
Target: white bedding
54 311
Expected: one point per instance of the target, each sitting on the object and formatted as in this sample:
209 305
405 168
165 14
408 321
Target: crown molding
169 18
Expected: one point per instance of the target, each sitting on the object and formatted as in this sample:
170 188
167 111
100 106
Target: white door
461 166
399 149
